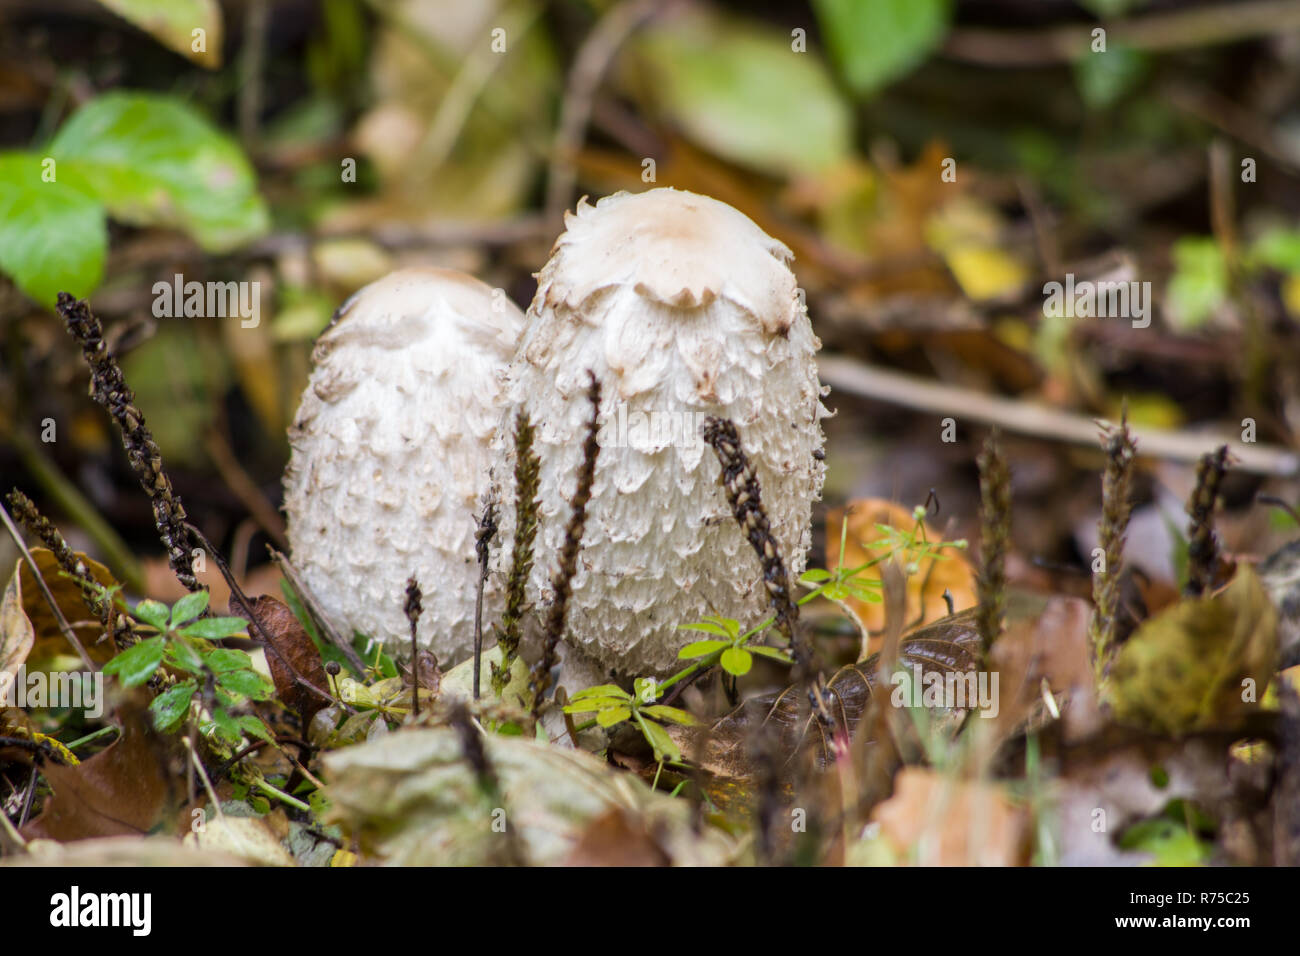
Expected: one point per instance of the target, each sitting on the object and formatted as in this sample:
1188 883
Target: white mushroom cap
391 454
684 308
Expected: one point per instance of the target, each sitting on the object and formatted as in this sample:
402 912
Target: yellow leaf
1200 663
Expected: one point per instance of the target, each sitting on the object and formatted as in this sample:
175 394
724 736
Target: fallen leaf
292 654
1047 652
16 633
937 820
247 838
1201 663
50 643
411 798
124 851
124 789
614 839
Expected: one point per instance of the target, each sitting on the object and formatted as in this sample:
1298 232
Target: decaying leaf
925 588
247 838
125 851
458 682
412 799
936 820
1201 663
294 655
1046 653
50 644
616 839
125 789
16 633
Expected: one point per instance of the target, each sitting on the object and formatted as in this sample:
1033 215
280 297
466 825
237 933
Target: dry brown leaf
123 790
1050 646
294 655
615 839
49 640
16 632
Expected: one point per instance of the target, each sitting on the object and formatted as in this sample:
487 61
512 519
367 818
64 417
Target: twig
317 613
1171 30
252 60
237 595
562 580
995 538
589 66
64 626
243 487
69 500
1027 418
487 530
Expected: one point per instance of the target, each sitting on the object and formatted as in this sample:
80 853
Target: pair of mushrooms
683 308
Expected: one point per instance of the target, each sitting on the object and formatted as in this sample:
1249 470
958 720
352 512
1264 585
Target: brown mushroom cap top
674 248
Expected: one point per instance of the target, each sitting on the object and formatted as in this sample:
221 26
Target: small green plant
612 706
910 547
734 651
223 678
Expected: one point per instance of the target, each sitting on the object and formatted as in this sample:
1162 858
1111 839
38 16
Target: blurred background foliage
313 145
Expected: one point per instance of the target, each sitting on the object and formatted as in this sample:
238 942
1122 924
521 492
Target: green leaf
215 628
701 649
675 714
253 725
739 90
874 42
708 627
863 590
172 22
591 704
227 659
182 655
775 653
225 725
737 661
604 690
170 707
249 683
612 716
1199 284
1103 78
153 160
153 612
137 664
815 576
657 737
53 235
189 607
1278 249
